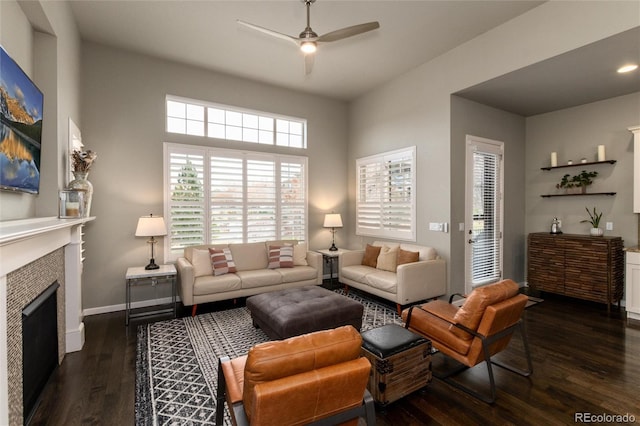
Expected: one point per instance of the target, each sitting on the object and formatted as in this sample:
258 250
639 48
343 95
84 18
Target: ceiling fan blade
309 59
349 31
269 32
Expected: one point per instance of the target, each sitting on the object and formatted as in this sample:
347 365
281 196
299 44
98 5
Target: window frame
278 120
383 230
207 154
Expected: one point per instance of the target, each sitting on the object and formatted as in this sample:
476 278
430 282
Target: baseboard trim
122 306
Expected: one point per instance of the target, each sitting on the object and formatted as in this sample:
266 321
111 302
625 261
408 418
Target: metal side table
138 276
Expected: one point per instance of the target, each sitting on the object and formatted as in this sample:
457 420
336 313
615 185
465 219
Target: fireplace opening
39 347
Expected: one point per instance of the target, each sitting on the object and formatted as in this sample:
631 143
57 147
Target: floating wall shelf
574 195
579 164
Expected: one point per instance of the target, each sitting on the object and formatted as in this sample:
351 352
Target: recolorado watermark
584 417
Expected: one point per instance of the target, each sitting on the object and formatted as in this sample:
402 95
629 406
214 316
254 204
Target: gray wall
43 39
575 133
415 107
472 118
123 98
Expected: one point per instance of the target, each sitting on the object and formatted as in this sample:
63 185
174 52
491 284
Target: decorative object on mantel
151 226
594 220
70 204
579 181
81 162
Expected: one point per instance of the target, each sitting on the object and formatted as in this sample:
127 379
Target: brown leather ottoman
291 312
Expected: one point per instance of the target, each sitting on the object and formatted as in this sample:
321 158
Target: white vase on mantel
597 232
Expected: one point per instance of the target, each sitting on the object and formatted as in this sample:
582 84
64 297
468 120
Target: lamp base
333 248
152 265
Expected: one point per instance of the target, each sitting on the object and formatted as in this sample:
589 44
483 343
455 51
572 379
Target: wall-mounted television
21 104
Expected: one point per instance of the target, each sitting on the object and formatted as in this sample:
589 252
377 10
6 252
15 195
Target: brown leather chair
473 333
316 378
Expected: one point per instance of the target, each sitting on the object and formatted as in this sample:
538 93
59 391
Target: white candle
554 159
601 156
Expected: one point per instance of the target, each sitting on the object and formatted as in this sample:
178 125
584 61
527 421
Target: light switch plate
609 226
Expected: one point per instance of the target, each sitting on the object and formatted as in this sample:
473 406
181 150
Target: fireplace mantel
24 241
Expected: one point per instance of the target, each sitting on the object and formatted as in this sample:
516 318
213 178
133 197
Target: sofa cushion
426 253
300 254
280 256
221 261
357 272
210 284
201 261
298 273
249 256
259 278
370 257
406 256
383 280
387 259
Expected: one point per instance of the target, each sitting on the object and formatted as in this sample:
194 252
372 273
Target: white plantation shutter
486 266
248 196
186 201
385 205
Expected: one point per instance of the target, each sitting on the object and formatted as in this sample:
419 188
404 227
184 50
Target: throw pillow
371 255
406 256
281 256
387 259
300 254
222 261
201 261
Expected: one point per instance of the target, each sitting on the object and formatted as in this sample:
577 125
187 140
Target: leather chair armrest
186 280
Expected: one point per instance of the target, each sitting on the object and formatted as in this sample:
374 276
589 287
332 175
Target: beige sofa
408 283
198 284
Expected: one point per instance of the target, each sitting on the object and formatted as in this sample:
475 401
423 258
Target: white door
483 212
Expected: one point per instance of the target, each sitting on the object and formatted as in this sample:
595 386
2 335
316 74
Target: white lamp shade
332 220
151 226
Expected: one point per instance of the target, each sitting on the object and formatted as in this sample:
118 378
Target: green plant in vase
594 220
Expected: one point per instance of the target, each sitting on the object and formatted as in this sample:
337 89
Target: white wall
415 108
575 133
123 98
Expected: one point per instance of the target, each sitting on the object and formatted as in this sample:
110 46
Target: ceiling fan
308 40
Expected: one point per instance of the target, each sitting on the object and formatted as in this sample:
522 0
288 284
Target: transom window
215 195
385 203
199 118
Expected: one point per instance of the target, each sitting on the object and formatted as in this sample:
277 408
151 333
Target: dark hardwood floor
585 361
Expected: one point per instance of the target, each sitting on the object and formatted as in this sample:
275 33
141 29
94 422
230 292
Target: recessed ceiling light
627 68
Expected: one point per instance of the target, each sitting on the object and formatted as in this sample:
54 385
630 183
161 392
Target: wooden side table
138 276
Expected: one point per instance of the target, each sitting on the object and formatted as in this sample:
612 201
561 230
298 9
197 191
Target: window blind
239 197
385 204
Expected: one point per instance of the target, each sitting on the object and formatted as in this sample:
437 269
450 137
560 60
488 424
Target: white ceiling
205 34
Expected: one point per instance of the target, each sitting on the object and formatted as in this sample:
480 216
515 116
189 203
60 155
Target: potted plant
594 220
581 181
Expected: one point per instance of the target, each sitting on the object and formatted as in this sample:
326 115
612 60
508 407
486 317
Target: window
385 204
199 118
215 195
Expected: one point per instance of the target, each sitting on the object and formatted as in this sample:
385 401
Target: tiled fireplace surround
33 254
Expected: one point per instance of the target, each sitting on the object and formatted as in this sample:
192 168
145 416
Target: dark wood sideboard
580 266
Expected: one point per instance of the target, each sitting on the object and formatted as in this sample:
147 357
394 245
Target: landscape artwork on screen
21 104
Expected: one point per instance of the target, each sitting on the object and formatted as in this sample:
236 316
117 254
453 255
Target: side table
138 276
331 258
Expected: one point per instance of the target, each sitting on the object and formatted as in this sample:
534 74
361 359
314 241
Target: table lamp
333 221
151 226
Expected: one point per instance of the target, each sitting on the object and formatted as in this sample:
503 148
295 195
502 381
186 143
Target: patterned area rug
177 361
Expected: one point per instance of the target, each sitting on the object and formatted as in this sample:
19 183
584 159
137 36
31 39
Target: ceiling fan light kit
308 40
